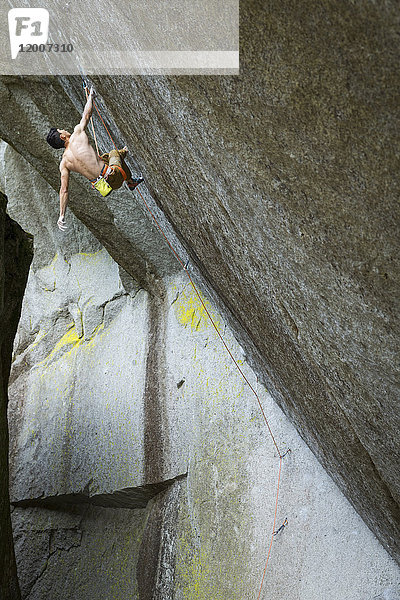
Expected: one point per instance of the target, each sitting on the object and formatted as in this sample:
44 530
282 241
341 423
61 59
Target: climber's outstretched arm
63 197
87 111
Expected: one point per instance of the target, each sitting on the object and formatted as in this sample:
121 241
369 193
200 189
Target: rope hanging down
185 268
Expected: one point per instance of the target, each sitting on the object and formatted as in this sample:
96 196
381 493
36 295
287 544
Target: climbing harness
235 362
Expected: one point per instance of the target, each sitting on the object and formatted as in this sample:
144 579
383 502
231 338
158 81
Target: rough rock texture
80 335
77 552
15 258
140 465
282 183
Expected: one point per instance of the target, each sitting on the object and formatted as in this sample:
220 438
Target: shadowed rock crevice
155 426
15 258
132 498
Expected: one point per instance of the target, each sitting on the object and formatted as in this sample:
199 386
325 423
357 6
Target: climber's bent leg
118 174
115 159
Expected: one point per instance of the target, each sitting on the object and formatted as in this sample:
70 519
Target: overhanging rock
282 184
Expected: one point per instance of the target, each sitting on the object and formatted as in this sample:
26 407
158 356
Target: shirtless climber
106 172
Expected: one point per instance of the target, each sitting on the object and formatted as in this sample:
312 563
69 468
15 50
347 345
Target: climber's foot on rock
134 182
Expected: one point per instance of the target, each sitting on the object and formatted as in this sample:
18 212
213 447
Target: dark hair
53 138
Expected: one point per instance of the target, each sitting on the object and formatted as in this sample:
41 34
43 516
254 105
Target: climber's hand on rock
61 223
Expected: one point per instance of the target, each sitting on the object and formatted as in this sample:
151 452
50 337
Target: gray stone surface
283 184
78 552
141 466
79 370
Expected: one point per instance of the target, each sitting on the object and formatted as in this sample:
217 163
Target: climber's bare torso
79 156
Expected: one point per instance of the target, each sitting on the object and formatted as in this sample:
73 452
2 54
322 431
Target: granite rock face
140 464
15 257
284 183
281 184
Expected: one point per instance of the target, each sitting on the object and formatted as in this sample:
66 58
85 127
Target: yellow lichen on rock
190 311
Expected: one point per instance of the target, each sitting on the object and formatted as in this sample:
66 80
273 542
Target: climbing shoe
134 182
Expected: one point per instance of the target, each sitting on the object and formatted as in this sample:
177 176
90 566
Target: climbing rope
235 362
281 456
105 126
91 122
